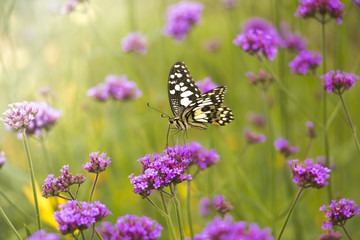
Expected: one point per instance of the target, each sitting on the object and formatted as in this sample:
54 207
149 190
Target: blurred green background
71 53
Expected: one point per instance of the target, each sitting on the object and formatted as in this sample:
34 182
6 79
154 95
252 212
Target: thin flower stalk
32 176
346 232
350 122
326 140
168 218
178 213
7 220
290 212
93 187
188 208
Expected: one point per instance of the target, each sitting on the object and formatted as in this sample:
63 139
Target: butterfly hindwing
208 108
182 89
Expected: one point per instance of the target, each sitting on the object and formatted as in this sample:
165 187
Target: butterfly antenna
163 115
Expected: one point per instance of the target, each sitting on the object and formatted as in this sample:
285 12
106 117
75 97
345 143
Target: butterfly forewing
181 88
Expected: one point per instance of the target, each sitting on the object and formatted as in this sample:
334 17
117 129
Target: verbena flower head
118 87
204 206
19 115
263 80
131 227
99 92
331 235
319 8
282 145
181 17
73 217
257 42
338 82
291 41
70 6
45 119
230 4
98 163
54 186
122 88
134 42
160 170
339 212
42 235
203 157
310 131
257 23
2 159
252 138
304 62
212 45
206 85
357 2
309 174
220 205
227 229
258 120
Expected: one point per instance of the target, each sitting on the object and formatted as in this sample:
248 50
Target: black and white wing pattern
181 88
190 107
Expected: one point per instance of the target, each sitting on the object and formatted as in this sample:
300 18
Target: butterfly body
191 108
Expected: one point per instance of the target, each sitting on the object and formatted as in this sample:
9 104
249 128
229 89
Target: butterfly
191 108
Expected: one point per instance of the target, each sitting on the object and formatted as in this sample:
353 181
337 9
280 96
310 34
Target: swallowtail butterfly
190 107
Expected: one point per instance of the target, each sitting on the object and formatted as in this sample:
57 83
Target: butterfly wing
182 89
208 108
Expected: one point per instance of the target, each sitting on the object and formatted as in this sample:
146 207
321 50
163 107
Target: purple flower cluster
2 159
258 120
206 85
252 138
220 205
357 2
204 206
70 6
229 4
134 42
291 41
227 229
338 82
263 79
339 212
116 87
20 115
282 145
212 45
203 157
310 132
54 186
181 17
76 215
304 62
44 119
310 8
97 164
309 174
131 227
259 37
42 235
257 42
160 170
331 235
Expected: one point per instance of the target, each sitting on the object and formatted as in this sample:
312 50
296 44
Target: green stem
7 220
308 148
347 234
290 212
156 207
178 213
168 218
93 187
32 176
326 140
188 208
350 123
